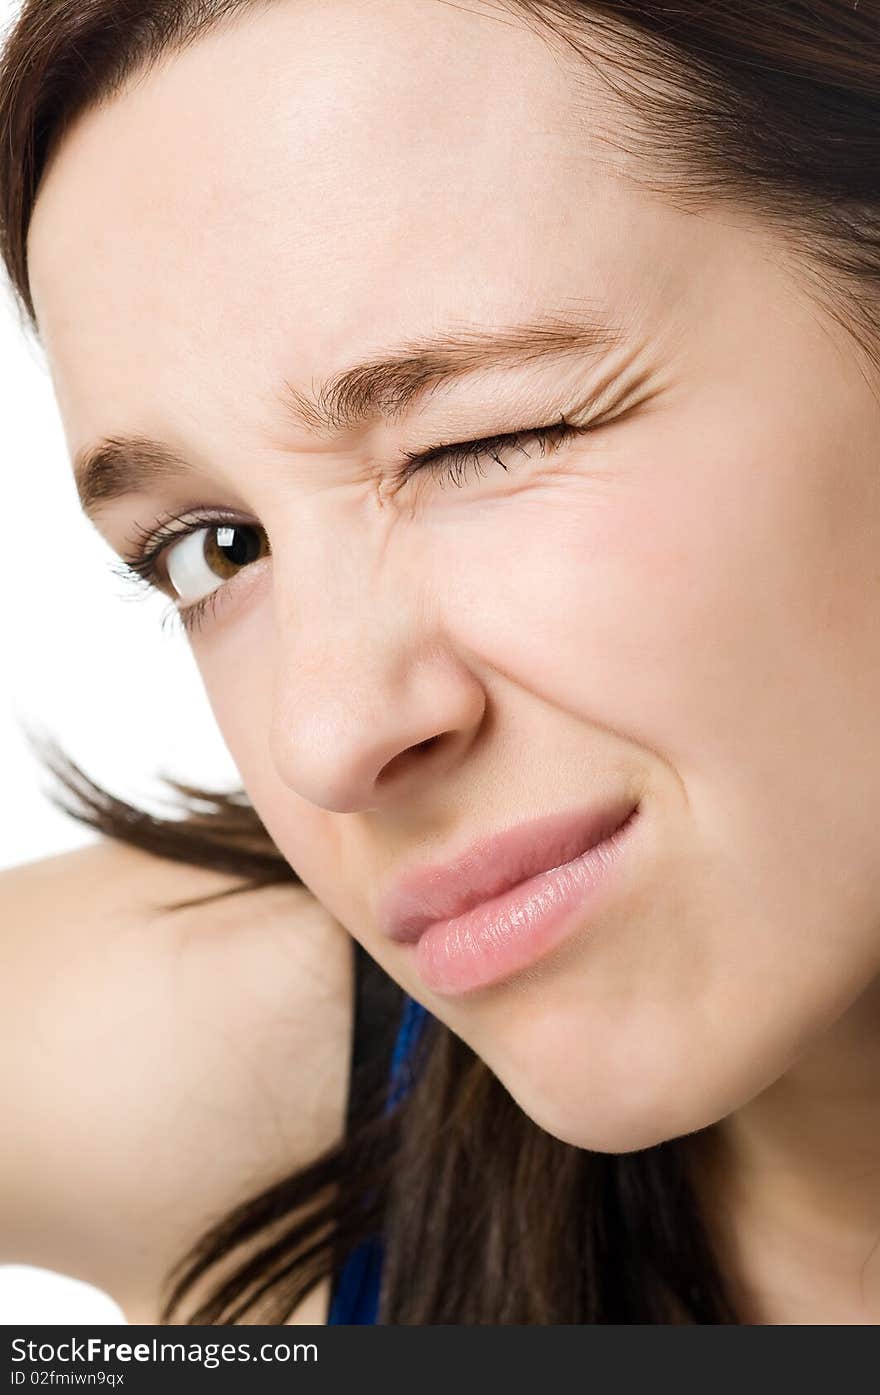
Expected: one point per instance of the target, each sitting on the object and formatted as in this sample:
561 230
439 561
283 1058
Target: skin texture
681 605
154 1077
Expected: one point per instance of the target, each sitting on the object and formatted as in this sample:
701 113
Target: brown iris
231 546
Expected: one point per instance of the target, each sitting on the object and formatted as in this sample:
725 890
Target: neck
791 1183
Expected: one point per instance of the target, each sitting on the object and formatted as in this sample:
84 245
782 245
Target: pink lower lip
492 941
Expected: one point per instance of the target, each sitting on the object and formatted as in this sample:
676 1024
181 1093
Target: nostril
403 758
426 745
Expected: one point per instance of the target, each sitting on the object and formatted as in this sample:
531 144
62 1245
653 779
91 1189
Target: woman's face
678 606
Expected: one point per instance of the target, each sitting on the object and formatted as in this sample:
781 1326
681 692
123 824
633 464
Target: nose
367 707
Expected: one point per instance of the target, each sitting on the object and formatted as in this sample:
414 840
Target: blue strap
414 1017
356 1295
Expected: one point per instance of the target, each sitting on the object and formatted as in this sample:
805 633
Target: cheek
679 603
718 607
237 663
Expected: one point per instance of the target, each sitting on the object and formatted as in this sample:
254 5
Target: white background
84 658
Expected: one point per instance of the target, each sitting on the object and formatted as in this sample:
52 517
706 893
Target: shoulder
164 1064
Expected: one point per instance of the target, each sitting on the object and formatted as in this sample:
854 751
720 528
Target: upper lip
494 864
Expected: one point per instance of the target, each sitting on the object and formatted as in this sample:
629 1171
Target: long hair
484 1217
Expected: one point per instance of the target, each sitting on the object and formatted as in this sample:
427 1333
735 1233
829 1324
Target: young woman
493 391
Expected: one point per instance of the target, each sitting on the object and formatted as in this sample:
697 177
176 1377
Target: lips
493 865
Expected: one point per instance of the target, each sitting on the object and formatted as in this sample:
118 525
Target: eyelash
460 455
142 563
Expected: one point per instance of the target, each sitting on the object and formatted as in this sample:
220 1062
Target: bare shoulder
162 1065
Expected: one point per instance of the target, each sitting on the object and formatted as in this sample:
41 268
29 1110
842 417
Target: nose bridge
368 689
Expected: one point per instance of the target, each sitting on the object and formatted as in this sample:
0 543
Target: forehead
305 184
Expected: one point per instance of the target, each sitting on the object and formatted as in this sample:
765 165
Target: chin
642 1090
626 1125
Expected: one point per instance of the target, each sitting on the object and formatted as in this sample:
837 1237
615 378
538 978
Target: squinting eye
207 557
455 460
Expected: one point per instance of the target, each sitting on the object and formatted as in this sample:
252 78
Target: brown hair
485 1218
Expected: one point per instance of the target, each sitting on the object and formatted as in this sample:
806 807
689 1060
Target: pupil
239 545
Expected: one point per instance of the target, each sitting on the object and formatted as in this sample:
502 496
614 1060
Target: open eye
206 557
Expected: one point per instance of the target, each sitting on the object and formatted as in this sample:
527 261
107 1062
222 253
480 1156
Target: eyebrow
380 388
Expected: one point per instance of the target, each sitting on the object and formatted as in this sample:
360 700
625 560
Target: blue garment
355 1298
